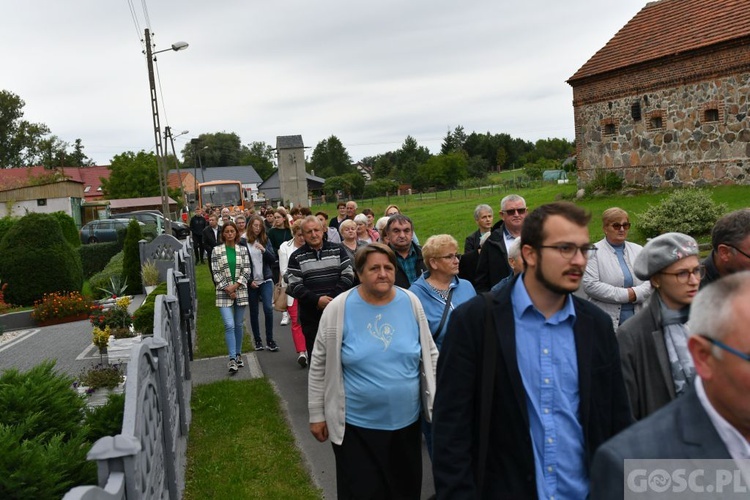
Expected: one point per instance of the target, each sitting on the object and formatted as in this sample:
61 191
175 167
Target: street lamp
161 164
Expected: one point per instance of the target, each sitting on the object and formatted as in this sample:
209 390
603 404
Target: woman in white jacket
286 249
610 281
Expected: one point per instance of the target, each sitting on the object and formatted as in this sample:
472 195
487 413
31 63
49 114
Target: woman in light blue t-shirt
371 376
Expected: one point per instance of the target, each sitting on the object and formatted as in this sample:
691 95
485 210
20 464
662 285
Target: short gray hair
509 198
514 250
481 208
360 219
712 310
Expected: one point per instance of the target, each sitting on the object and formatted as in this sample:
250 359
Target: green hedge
36 259
69 229
143 319
6 223
96 256
131 266
113 269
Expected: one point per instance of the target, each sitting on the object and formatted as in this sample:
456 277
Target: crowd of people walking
524 364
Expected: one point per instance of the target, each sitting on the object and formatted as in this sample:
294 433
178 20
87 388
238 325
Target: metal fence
147 459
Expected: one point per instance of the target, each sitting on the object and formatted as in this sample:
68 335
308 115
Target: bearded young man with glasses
556 390
712 421
493 259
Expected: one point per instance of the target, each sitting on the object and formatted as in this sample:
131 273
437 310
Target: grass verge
241 447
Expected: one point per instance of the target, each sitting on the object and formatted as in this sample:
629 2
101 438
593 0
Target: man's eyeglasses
514 211
683 276
743 253
617 226
568 250
450 256
722 345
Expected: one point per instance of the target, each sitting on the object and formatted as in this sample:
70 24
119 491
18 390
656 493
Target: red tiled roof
670 27
11 178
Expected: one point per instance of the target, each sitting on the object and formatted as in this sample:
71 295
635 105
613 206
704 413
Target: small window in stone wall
609 129
656 120
635 111
711 115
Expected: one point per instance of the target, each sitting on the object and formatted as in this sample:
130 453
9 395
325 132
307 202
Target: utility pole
168 133
161 164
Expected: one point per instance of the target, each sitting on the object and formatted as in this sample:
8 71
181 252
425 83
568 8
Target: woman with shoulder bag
285 251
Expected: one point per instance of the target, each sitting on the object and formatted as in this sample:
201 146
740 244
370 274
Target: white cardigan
326 400
286 249
604 281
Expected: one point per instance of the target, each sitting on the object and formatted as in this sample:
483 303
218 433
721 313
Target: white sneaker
302 359
285 318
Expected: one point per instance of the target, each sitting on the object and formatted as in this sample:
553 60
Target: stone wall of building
689 134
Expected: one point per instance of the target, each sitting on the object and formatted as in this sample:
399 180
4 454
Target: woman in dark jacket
656 364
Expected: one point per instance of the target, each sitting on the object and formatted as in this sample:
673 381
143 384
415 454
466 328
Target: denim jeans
234 318
264 294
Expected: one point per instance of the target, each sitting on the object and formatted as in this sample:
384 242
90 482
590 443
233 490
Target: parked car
103 230
179 229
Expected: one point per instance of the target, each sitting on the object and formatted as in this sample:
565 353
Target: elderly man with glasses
730 240
712 421
493 260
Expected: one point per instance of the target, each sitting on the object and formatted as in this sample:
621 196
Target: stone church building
665 101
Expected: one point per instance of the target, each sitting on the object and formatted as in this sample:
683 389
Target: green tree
383 167
18 137
478 167
222 149
408 159
454 141
132 176
260 156
330 158
444 171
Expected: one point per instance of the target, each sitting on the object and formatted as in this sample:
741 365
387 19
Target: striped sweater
312 274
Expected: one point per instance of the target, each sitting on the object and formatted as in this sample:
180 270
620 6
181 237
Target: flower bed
61 307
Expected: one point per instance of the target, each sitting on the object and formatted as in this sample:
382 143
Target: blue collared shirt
547 360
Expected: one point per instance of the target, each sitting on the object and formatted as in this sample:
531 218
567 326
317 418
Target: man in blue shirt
557 387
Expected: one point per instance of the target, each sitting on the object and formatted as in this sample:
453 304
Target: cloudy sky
370 73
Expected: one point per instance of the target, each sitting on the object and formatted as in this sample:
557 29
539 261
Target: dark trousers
377 464
310 331
198 248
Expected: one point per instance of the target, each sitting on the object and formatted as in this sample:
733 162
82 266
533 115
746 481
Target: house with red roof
665 101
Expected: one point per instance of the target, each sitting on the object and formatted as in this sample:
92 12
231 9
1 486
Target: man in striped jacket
318 271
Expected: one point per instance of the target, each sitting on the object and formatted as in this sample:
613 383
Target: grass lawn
452 211
241 447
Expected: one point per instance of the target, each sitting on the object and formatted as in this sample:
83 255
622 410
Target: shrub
36 260
143 319
604 180
95 256
131 265
43 443
6 223
689 211
102 279
116 319
101 376
106 420
150 274
69 229
61 305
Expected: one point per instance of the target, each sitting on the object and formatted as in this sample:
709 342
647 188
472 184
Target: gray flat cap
663 251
